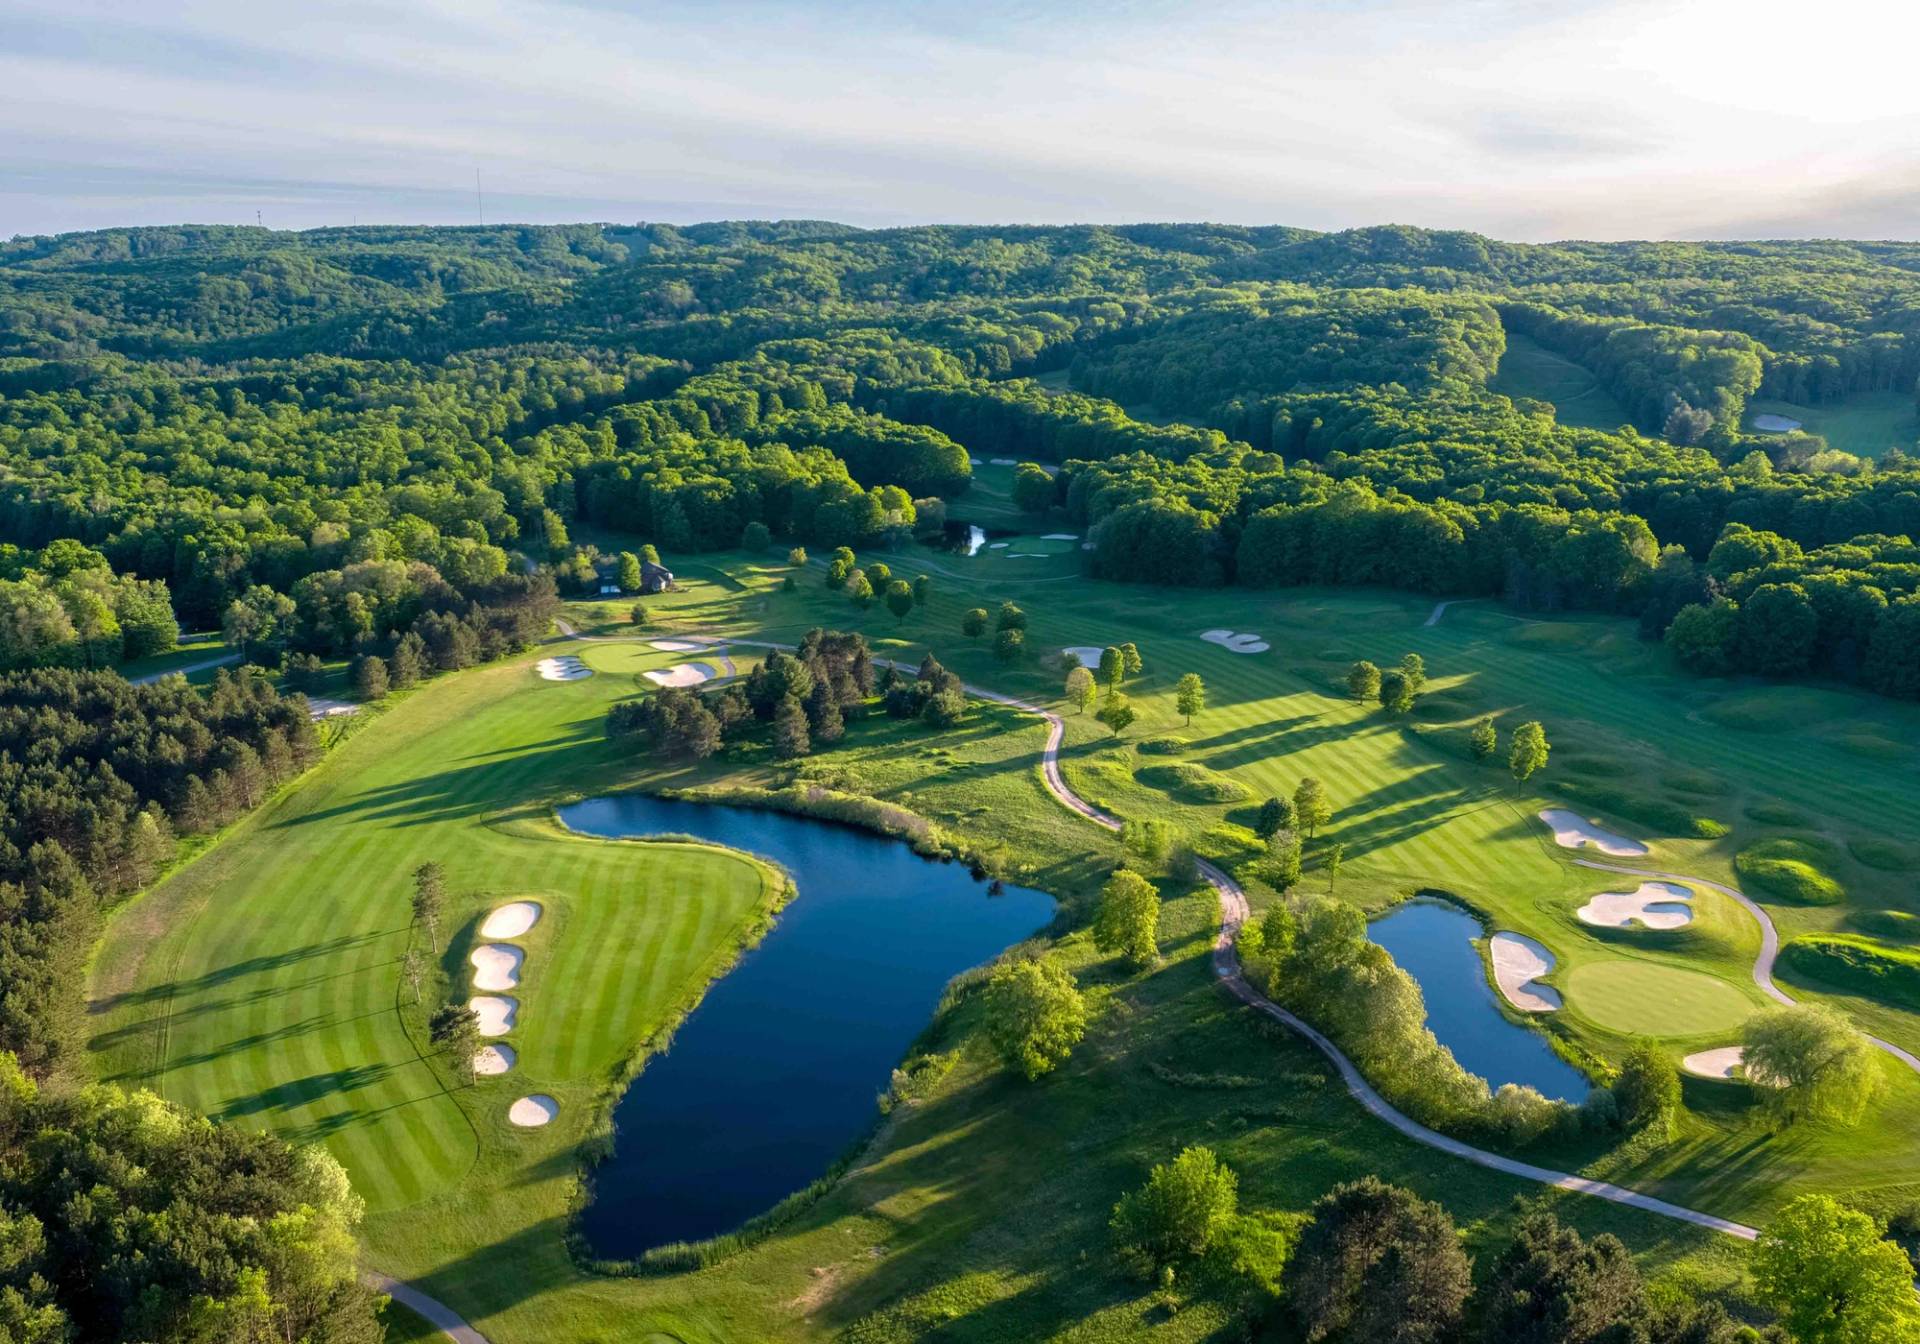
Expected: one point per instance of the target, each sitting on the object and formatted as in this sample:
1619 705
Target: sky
1523 119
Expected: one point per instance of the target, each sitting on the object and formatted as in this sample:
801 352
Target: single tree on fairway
1128 921
1283 858
1009 644
1363 681
1117 714
1396 694
1379 1264
974 623
1335 855
755 536
922 589
1275 815
1648 1089
1190 696
1113 667
1034 1015
1528 753
900 598
629 576
455 1028
639 614
1809 1061
1010 618
797 557
1080 690
1483 738
1185 1207
790 736
1832 1278
1130 663
1414 668
1311 809
413 968
879 575
860 589
429 898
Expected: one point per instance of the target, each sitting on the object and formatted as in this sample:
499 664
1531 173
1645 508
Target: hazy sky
1592 118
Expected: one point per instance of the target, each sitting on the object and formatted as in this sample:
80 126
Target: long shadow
235 970
302 1091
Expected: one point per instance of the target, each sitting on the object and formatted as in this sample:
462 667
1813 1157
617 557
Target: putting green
1643 998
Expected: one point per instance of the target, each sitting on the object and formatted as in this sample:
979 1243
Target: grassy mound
1695 782
1659 815
1878 970
1775 708
1899 924
1169 745
1193 783
1789 870
1885 855
1774 813
1596 767
1552 635
1872 746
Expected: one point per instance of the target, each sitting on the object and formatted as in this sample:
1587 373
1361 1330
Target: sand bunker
1775 424
511 920
1061 536
1573 831
496 966
687 674
496 1013
1517 962
1236 643
676 645
534 1111
997 545
1729 1061
1656 905
568 668
323 707
1088 654
1006 461
490 1061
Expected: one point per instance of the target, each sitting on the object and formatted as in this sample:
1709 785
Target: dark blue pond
776 1072
1433 942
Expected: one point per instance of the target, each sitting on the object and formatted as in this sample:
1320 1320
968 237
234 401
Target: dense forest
382 425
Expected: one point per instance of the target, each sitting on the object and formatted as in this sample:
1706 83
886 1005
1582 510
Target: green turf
982 1209
1865 424
1529 369
1641 998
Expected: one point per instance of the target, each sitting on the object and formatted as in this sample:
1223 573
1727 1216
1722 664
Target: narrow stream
777 1071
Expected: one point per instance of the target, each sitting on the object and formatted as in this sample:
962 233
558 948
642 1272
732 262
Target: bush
1789 871
1035 1015
755 537
1879 971
1162 746
1183 1209
1193 782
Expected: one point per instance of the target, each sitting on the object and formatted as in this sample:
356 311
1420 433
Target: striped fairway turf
271 993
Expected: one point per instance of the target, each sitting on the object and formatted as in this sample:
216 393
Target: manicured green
1641 998
1864 423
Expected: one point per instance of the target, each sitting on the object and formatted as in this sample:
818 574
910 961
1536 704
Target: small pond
1432 940
776 1072
962 538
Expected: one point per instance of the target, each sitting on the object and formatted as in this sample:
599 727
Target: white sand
1775 424
1088 655
511 920
323 707
1656 905
1061 536
1236 643
996 545
1517 961
676 645
1006 461
497 1013
1573 831
1729 1061
686 674
496 966
534 1111
568 668
490 1061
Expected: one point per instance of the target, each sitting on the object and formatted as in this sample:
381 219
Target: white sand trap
1729 1061
568 668
687 674
1061 536
1775 424
497 1013
1657 905
1234 642
676 645
976 461
323 707
1088 655
1006 461
496 966
1573 831
534 1111
1517 962
996 545
490 1061
511 920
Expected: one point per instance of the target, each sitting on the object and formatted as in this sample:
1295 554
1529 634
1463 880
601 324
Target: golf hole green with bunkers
263 983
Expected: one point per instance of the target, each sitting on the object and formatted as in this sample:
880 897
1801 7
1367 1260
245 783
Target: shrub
1035 1015
1788 869
1881 972
1185 1206
1162 746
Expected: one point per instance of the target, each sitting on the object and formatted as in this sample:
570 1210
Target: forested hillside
376 425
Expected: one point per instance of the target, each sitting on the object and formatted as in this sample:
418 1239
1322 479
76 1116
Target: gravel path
436 1313
1769 943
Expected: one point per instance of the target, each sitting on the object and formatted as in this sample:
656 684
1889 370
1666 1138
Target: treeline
129 1221
97 777
62 606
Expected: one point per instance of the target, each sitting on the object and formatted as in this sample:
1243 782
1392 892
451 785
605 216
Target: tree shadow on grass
234 971
305 1091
